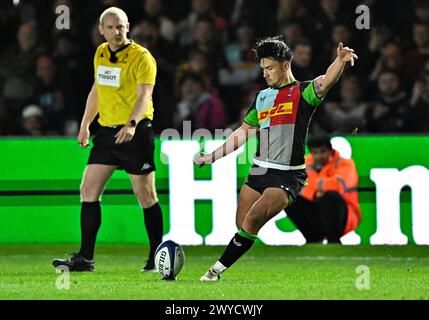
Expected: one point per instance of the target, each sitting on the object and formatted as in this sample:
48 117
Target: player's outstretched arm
234 141
323 83
91 111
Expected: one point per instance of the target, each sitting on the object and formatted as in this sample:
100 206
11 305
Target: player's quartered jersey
283 116
117 82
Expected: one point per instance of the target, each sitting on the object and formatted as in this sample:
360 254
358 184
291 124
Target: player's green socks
239 245
90 221
154 228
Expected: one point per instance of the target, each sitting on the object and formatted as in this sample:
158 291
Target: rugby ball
169 259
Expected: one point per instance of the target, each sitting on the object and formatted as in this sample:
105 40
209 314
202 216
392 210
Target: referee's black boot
76 262
149 267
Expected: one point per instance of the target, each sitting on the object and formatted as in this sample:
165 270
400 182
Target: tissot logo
108 76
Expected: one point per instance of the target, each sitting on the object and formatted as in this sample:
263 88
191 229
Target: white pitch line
333 258
344 258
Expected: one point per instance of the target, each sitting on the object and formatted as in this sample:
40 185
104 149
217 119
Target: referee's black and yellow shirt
116 82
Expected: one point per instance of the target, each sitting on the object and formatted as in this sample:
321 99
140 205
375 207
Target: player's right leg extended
272 201
93 183
246 200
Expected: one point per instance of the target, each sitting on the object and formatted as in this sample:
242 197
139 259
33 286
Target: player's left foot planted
210 276
76 262
149 267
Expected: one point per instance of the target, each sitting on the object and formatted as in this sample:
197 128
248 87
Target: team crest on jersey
124 59
278 110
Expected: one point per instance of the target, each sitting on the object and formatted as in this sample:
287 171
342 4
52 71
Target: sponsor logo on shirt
109 76
280 109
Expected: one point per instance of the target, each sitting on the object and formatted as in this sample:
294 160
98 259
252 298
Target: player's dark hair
274 48
319 142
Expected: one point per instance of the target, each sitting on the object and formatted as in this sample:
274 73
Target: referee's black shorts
136 157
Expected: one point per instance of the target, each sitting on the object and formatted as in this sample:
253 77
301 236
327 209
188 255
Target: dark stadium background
51 69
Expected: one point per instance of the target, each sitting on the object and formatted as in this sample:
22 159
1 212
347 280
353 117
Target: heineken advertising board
40 178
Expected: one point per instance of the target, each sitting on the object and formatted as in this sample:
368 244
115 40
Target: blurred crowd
206 67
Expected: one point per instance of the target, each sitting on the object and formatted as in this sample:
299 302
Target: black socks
239 245
154 227
90 221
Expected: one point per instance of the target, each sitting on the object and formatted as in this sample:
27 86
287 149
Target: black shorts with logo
135 157
291 181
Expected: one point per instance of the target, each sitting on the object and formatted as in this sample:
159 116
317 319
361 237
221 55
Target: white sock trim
219 267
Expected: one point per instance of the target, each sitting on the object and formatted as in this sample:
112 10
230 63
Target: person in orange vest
328 205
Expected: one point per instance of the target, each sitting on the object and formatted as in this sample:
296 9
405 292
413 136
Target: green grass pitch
308 272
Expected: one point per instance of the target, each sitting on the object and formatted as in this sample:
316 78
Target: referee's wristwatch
132 123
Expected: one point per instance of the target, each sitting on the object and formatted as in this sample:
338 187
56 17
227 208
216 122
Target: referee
125 75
